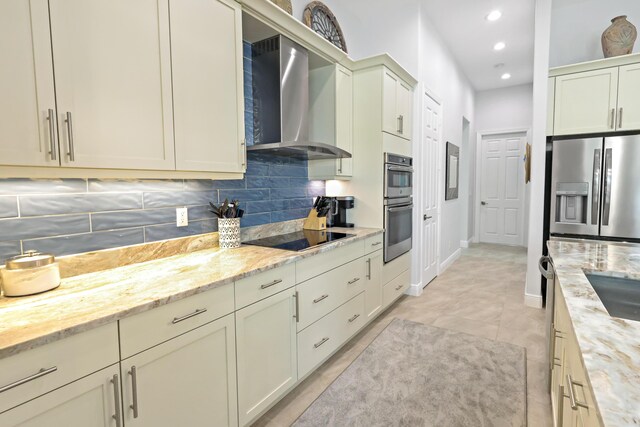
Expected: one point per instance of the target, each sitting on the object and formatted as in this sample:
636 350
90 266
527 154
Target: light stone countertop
610 346
90 300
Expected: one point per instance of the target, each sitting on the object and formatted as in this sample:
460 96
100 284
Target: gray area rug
418 375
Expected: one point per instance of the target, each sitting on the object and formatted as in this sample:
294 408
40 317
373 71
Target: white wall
577 25
505 108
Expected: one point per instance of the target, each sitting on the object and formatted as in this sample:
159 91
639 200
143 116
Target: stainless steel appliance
337 216
594 187
550 331
300 240
398 176
280 72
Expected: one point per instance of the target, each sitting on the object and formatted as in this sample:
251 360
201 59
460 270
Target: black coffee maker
337 216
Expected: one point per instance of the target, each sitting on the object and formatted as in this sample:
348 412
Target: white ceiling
470 37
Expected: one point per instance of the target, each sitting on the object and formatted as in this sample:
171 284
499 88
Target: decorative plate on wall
320 19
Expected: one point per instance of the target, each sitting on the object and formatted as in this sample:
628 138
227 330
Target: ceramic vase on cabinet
229 233
619 38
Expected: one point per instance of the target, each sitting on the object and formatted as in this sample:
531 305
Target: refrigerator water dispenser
571 202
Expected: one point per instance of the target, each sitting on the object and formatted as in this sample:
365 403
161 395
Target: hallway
481 294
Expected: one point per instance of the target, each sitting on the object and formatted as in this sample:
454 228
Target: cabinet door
404 109
390 116
88 402
628 99
267 361
113 80
551 92
586 102
344 118
208 99
189 380
26 87
373 285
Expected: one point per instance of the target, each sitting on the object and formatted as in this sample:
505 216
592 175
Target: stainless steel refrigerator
595 187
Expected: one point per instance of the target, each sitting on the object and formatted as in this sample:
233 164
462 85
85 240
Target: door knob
425 217
483 203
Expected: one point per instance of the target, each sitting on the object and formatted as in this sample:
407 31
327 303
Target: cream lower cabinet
266 353
373 284
189 380
93 401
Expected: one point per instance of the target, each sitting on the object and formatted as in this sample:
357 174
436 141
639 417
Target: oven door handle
400 168
401 208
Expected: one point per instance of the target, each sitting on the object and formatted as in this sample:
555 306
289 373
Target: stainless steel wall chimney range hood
280 71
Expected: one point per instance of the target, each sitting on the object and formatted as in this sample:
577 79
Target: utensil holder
314 222
229 232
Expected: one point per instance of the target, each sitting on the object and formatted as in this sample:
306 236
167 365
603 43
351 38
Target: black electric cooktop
300 240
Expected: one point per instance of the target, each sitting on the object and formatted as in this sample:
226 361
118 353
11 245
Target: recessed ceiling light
505 76
499 46
494 15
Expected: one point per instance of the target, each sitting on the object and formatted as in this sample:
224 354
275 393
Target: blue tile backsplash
66 216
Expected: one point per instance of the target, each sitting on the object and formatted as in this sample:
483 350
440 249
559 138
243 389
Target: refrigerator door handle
595 186
606 206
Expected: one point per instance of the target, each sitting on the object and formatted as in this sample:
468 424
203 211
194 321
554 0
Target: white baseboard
465 243
415 290
447 263
533 300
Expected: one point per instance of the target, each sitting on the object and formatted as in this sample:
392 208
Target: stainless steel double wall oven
398 205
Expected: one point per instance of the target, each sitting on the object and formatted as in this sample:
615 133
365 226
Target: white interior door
502 189
431 142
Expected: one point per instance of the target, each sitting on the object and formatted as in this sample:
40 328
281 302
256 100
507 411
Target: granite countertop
610 346
90 300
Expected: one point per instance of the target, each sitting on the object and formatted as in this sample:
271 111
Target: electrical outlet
182 217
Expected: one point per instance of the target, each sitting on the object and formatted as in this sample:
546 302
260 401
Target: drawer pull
41 373
317 300
398 287
354 280
116 398
268 285
296 314
355 316
188 316
322 341
134 389
376 243
572 395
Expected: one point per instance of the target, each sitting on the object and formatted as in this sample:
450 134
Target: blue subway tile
79 243
289 215
287 170
170 231
298 203
265 206
8 250
199 185
8 206
129 219
244 195
288 193
78 203
267 182
200 212
128 185
299 182
316 188
226 184
183 198
255 219
30 228
17 186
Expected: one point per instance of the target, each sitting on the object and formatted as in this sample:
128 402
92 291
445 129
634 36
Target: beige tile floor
480 294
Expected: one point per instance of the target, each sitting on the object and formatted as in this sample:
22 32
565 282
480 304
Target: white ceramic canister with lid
30 274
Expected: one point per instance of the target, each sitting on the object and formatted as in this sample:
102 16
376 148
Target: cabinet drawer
321 263
322 338
393 269
373 243
260 286
144 330
324 293
54 365
395 288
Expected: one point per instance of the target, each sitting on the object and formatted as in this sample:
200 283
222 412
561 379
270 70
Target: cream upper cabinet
113 83
551 92
208 99
397 105
93 401
629 98
331 118
586 102
267 361
27 97
373 285
189 380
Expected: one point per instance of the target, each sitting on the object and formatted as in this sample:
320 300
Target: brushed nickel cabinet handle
369 268
352 281
52 134
296 314
71 153
41 373
401 124
134 388
268 285
243 147
613 118
352 319
317 300
116 399
340 166
322 341
399 287
188 316
399 130
620 118
376 243
572 394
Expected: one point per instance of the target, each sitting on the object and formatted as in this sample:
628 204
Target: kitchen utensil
29 274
